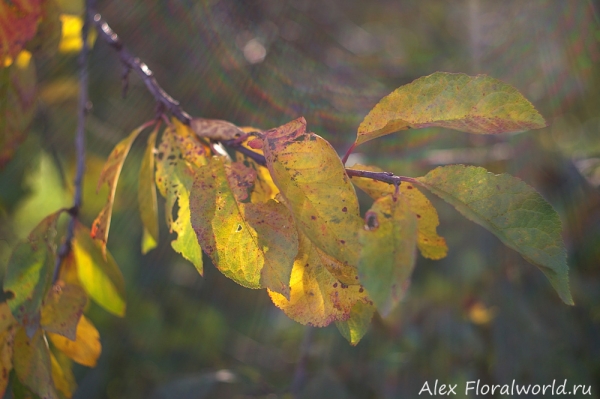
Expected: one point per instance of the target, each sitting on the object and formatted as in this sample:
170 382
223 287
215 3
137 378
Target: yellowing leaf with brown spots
473 104
85 349
356 326
179 154
60 378
430 244
8 328
110 175
62 309
316 189
387 257
147 196
99 276
253 244
32 364
264 188
18 24
317 298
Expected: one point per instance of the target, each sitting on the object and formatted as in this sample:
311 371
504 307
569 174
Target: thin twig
386 177
83 105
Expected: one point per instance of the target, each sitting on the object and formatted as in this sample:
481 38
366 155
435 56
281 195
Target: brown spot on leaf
344 209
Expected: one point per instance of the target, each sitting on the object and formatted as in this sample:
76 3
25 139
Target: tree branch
169 103
82 110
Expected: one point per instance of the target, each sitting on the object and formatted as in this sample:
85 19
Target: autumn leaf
49 31
110 175
387 257
100 276
29 273
215 129
86 347
253 244
356 326
18 99
430 244
62 309
474 104
316 189
32 364
8 327
179 154
510 209
147 196
317 298
62 377
264 188
18 24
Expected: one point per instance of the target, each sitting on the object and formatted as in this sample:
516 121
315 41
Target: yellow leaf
179 154
99 276
316 189
147 196
317 298
7 336
32 364
110 175
357 324
70 41
60 379
62 309
264 188
86 347
430 244
253 244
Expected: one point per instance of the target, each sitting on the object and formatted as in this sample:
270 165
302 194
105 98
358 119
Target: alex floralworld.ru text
513 389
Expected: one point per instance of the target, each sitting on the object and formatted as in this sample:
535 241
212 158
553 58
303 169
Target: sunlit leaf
357 324
18 23
147 197
32 364
62 309
253 244
430 244
100 277
59 376
264 187
86 347
110 175
29 273
178 154
317 298
316 189
70 41
387 257
510 209
49 31
474 104
18 101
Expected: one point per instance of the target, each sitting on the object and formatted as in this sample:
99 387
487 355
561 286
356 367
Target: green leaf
100 276
62 309
29 273
510 209
431 245
473 104
147 196
253 244
32 364
179 154
357 324
110 175
316 189
387 256
317 297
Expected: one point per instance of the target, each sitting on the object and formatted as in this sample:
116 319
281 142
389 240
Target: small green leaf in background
357 324
29 273
147 196
510 209
473 104
100 277
178 154
387 257
110 175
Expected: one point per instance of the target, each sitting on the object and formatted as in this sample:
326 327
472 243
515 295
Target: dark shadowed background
481 313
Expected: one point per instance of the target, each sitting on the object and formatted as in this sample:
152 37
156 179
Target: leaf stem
82 110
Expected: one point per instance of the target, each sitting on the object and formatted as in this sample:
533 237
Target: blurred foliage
481 313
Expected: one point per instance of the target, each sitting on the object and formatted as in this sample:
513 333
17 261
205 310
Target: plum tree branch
173 106
82 109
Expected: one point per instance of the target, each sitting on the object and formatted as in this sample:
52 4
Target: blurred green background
482 313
